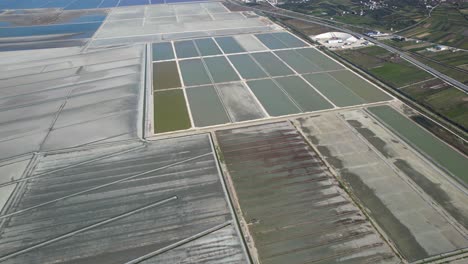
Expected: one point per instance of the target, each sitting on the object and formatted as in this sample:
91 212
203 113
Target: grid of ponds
245 77
58 27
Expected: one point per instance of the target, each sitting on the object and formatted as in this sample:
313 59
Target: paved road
308 18
423 66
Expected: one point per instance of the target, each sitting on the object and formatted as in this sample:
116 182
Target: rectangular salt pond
206 107
162 51
249 43
170 111
270 41
207 47
435 149
337 92
298 62
247 67
239 102
229 45
165 75
273 99
193 72
304 95
290 40
273 65
185 49
220 69
316 57
361 87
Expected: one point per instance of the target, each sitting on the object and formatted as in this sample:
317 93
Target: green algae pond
170 111
165 75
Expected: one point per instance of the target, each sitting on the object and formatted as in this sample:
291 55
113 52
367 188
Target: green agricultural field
170 111
306 28
385 66
447 25
400 74
447 101
409 45
460 75
417 84
376 51
368 57
453 63
453 58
